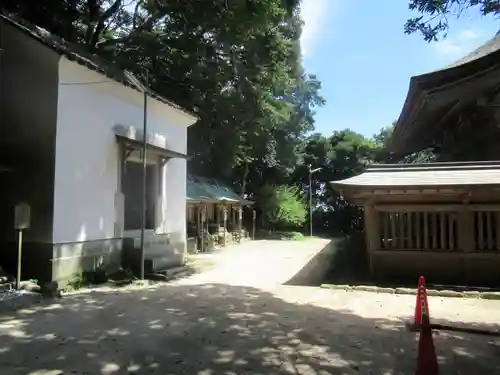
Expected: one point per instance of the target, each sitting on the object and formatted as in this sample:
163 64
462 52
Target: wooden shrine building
442 219
213 207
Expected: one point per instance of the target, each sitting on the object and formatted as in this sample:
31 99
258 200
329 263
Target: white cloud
458 45
315 15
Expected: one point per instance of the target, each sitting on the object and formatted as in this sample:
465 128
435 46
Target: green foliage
282 206
98 276
87 278
382 156
236 64
435 14
281 235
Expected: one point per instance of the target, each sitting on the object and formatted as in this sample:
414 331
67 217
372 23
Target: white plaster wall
90 105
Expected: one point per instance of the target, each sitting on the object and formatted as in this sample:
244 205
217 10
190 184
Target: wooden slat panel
386 228
409 217
418 229
451 232
489 230
426 230
401 230
434 232
394 242
480 230
442 230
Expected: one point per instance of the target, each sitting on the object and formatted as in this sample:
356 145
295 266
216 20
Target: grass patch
197 264
99 276
282 236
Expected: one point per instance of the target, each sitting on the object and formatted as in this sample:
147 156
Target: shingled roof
79 55
433 96
425 175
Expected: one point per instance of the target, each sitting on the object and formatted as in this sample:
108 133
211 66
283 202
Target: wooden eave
421 179
434 97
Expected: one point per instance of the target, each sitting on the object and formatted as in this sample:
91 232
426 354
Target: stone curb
411 291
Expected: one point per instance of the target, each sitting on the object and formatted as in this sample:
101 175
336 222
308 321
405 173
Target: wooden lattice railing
465 230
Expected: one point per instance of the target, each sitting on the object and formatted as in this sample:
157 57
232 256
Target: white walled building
71 134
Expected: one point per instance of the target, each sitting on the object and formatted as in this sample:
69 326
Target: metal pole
144 181
310 203
19 257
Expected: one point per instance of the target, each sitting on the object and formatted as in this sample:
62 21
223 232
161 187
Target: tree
433 20
282 206
236 64
383 156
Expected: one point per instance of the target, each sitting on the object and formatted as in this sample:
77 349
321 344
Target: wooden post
240 219
224 212
372 233
22 216
202 219
497 228
254 216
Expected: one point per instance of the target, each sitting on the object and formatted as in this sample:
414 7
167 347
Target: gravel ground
238 319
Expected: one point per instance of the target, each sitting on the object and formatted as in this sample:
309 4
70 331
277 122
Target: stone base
454 268
75 257
47 262
161 251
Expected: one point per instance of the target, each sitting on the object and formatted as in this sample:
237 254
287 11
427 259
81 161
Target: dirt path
227 322
262 263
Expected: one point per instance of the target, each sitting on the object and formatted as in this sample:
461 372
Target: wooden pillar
465 224
372 233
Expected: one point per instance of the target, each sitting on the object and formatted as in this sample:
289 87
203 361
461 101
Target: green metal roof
202 189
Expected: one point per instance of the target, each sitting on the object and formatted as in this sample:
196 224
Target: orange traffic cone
421 306
426 358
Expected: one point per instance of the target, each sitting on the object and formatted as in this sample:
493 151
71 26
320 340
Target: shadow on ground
217 329
317 269
348 265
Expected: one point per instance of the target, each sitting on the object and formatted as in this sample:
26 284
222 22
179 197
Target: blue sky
364 60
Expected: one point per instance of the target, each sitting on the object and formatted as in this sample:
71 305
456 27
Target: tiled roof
421 175
434 94
75 53
487 48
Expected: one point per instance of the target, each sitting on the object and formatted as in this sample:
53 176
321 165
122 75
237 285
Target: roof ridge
433 166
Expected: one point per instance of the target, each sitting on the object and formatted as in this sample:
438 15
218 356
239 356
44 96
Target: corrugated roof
422 175
196 193
79 55
202 189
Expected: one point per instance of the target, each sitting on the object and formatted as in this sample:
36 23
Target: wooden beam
467 88
435 207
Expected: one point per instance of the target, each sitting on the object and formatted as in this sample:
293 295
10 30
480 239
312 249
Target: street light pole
311 171
144 180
